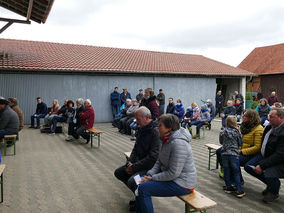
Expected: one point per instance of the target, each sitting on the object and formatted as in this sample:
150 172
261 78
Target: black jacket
171 108
229 111
146 149
41 108
274 149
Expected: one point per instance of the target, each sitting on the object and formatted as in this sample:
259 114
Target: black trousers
126 178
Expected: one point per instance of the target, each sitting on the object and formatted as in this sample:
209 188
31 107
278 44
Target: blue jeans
115 110
55 119
38 117
273 183
231 165
263 119
157 189
198 125
3 132
223 122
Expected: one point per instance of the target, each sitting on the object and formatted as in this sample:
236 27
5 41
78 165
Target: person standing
171 106
161 99
123 96
219 102
272 99
179 110
231 140
150 102
115 102
41 112
139 96
239 96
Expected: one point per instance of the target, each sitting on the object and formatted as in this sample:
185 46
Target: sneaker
240 194
229 189
195 136
69 138
38 127
270 197
51 133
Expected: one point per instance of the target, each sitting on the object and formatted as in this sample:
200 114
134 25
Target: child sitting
187 118
231 140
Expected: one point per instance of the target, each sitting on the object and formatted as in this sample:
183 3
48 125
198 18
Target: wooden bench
11 138
95 132
194 201
2 167
212 151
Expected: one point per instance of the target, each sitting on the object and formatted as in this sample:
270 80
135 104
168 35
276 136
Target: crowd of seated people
79 120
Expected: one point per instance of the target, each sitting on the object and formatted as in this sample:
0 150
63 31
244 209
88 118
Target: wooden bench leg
2 192
211 154
189 210
91 135
13 144
99 140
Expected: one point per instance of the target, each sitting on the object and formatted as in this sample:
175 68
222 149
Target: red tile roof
34 55
265 60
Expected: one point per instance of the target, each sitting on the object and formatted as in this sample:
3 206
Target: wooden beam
30 9
11 21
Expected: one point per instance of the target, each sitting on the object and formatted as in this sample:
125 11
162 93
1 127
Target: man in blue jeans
41 112
268 166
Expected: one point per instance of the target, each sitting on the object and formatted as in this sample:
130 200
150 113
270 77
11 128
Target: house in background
268 64
29 69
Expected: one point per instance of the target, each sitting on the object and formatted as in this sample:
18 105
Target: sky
223 30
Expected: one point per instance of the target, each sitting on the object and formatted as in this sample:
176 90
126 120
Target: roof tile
35 55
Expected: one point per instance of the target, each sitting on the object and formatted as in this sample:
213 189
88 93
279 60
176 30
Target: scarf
247 127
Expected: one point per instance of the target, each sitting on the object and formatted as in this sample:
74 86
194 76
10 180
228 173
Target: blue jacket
179 111
41 108
124 97
115 98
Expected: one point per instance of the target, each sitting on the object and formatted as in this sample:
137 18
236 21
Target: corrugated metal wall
26 87
272 83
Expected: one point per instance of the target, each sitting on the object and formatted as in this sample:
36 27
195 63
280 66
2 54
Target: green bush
249 96
254 104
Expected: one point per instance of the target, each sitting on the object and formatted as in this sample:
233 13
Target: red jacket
87 117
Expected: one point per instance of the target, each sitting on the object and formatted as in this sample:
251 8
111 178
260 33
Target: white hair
144 111
89 101
80 101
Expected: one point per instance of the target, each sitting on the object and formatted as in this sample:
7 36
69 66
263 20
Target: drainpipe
243 89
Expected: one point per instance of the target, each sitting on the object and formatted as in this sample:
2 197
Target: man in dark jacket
268 166
139 96
219 102
145 152
123 96
171 106
229 110
9 120
115 102
161 99
41 112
